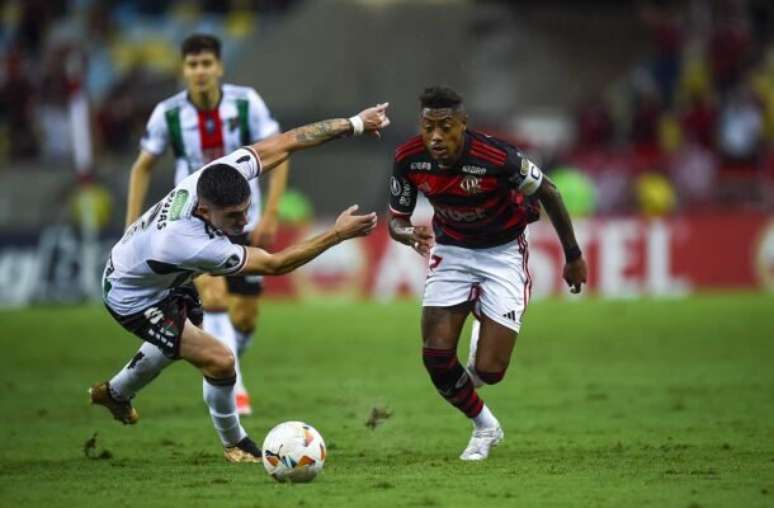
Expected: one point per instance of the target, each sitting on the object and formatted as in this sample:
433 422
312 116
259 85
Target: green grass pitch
627 403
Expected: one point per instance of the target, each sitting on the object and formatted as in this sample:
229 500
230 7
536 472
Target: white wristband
357 125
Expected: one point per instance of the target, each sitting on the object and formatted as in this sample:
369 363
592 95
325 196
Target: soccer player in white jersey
146 279
203 122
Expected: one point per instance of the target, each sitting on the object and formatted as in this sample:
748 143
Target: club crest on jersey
471 184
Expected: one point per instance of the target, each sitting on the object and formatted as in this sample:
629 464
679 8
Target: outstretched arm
347 226
275 149
575 270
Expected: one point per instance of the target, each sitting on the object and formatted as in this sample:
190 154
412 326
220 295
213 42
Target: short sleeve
403 193
219 257
262 124
245 160
156 135
525 175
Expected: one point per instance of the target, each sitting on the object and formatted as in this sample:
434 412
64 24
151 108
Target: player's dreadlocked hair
440 97
196 43
222 186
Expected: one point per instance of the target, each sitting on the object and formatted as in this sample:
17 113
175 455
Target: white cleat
481 442
471 366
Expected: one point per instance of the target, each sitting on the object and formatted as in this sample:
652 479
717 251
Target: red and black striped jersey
478 203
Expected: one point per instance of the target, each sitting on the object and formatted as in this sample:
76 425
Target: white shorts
497 280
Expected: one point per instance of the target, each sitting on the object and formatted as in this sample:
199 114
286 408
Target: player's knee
444 368
222 363
490 378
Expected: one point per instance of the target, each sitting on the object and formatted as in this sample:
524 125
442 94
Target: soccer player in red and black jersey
484 193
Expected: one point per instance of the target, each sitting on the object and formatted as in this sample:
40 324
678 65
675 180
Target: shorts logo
395 187
510 315
154 315
471 184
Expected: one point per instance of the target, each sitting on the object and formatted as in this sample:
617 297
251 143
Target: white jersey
169 244
198 137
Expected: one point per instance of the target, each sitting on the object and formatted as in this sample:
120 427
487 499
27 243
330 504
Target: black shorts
247 285
161 324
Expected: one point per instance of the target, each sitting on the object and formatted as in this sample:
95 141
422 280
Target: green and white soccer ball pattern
293 451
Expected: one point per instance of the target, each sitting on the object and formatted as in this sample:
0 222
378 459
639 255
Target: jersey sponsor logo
395 186
472 215
181 196
421 166
471 184
473 170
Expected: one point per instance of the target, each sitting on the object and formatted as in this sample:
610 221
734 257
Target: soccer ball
293 451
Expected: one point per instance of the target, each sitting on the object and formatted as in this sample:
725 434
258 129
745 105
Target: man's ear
202 209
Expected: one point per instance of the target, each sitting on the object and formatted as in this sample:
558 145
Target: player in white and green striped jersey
202 123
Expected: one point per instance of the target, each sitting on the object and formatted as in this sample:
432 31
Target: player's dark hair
440 97
222 186
196 43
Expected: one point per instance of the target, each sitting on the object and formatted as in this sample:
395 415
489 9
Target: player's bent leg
490 361
216 361
117 394
471 365
243 312
441 327
493 354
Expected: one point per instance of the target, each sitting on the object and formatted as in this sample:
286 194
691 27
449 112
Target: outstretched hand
574 274
349 225
375 118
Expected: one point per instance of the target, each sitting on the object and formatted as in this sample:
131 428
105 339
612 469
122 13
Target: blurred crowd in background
690 126
697 113
124 53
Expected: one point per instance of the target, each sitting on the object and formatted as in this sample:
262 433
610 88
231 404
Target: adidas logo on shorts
510 315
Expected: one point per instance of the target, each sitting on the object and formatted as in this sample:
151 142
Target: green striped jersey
198 137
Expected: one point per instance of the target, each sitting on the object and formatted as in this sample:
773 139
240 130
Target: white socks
485 419
243 340
141 370
220 400
219 325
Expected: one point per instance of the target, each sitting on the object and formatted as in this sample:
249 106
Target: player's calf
451 380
